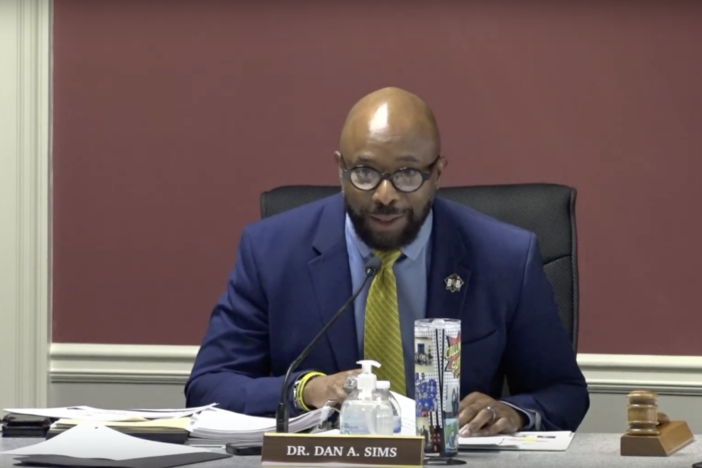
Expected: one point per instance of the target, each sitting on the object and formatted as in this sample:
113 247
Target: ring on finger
350 384
493 414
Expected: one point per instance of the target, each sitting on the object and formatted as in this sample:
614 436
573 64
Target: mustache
387 210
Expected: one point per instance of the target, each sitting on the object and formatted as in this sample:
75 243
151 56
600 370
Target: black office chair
547 210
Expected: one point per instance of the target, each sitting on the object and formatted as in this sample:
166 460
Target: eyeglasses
406 179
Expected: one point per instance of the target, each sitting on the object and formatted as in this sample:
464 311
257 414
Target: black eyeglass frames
406 179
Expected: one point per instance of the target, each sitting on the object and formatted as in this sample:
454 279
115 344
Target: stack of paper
541 441
161 430
247 431
163 425
86 413
95 445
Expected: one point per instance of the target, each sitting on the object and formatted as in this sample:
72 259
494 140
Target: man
296 269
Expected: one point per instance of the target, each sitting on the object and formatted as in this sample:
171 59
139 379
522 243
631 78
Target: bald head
390 114
390 131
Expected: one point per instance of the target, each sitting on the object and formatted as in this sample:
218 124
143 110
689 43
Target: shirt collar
410 251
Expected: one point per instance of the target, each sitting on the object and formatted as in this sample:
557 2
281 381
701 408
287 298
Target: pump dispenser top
367 379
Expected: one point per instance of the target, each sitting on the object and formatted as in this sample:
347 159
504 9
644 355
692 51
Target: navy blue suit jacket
292 274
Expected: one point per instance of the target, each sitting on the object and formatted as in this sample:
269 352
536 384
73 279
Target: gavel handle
662 419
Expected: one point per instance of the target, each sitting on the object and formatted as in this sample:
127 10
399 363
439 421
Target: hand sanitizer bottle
384 389
365 411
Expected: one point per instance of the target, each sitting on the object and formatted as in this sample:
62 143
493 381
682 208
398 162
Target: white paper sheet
481 441
172 410
216 419
95 441
86 413
247 431
526 441
408 414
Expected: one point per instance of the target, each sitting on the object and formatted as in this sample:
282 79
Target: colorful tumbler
437 377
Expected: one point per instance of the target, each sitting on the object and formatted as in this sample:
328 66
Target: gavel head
643 413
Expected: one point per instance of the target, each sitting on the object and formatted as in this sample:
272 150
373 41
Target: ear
440 166
337 158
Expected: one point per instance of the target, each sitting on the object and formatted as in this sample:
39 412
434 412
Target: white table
586 451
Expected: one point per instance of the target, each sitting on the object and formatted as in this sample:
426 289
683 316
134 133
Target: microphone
282 415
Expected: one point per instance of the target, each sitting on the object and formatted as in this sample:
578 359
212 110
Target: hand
475 419
320 390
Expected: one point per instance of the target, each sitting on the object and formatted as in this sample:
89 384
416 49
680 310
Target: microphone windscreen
373 264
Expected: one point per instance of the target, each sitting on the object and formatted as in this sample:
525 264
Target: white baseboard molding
154 364
135 364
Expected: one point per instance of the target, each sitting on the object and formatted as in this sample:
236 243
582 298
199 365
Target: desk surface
586 451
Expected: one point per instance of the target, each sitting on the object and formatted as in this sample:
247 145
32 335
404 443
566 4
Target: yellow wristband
301 388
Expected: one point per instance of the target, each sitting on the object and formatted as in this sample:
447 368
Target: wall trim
152 364
107 363
25 81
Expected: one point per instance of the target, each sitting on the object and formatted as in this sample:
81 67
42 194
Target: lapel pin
454 283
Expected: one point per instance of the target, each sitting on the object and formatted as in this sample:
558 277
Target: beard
387 241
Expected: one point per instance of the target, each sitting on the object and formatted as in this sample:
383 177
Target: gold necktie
382 336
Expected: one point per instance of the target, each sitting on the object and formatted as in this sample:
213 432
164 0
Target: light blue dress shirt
411 271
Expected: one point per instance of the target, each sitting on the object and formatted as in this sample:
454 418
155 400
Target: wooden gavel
644 418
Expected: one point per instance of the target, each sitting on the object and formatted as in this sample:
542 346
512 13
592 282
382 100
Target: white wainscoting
129 376
605 373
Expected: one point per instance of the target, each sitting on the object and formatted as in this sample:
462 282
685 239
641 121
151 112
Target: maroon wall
171 117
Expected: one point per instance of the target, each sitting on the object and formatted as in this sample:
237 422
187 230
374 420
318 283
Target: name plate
359 450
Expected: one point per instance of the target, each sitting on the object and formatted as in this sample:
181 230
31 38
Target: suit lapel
448 259
332 283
